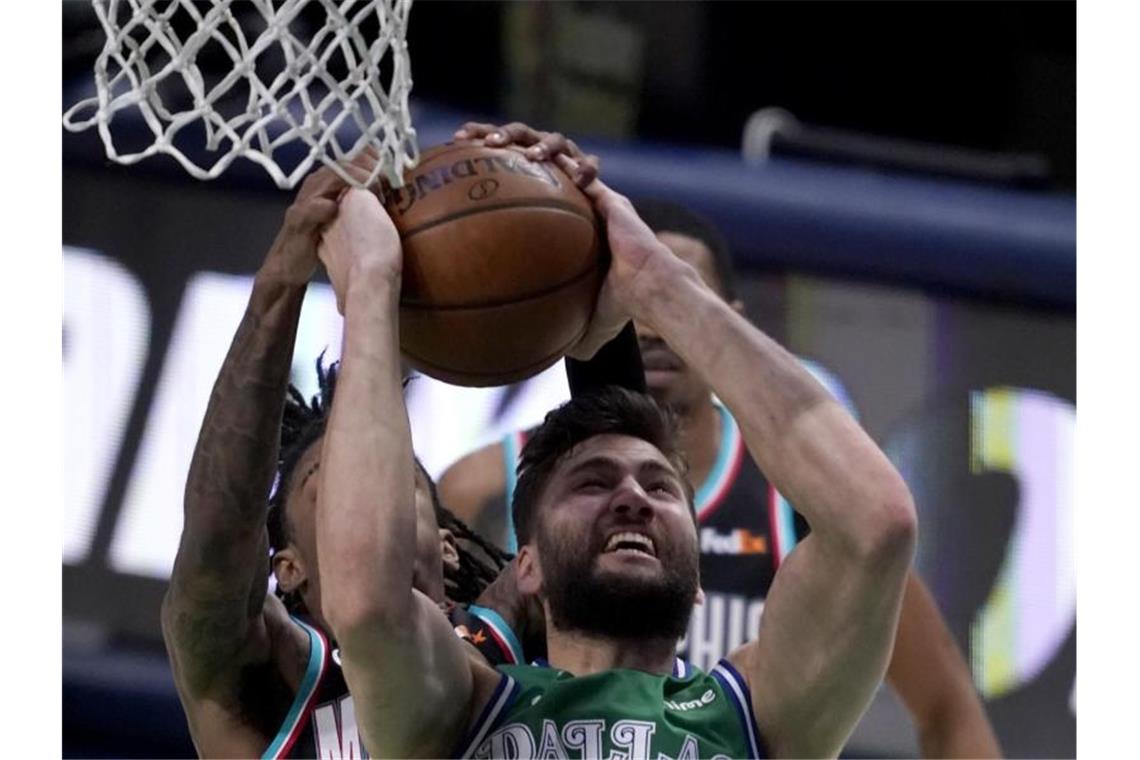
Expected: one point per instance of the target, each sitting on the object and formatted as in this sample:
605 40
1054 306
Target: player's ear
700 597
448 550
288 569
528 571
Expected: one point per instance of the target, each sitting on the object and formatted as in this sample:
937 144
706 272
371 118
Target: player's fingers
474 130
360 173
550 144
362 166
367 158
330 182
309 216
515 133
586 165
573 149
593 159
568 165
599 192
573 170
587 171
320 212
317 183
613 206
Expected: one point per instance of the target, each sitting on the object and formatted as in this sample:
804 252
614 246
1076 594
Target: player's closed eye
592 484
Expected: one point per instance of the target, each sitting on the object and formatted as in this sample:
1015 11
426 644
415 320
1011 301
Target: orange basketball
502 263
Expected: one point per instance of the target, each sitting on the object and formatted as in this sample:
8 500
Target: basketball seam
520 203
551 358
424 306
451 147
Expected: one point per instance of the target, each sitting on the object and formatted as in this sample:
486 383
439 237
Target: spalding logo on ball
502 263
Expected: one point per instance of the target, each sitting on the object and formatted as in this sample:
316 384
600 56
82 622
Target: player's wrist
274 279
374 276
663 285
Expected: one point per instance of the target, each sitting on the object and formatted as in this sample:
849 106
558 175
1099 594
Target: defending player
608 513
253 679
745 530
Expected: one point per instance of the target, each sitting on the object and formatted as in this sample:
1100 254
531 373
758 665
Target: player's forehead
306 468
304 479
615 452
425 501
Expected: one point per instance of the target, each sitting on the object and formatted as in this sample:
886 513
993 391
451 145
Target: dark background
994 76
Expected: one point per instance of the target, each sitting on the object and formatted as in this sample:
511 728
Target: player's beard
584 598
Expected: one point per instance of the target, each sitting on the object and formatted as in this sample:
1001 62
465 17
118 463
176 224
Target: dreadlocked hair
302 424
480 561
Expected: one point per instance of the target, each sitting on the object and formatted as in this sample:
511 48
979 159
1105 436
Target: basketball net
244 78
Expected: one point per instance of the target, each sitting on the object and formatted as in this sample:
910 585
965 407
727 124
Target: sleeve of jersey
739 694
616 363
486 630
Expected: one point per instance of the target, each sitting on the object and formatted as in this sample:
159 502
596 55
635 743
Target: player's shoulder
485 458
295 645
468 483
282 626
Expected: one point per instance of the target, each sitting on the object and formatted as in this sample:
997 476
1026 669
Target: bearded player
746 529
609 487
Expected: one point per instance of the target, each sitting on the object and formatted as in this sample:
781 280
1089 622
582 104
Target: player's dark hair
475 572
611 409
667 216
302 424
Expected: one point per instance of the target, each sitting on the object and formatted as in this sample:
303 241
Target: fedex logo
739 541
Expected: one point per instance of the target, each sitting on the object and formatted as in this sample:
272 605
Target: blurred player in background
609 540
258 675
744 534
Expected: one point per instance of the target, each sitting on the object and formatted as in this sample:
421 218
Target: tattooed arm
217 620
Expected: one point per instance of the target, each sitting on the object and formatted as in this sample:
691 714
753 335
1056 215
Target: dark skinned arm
214 614
929 673
616 363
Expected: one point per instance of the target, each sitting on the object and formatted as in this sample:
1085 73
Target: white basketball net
247 77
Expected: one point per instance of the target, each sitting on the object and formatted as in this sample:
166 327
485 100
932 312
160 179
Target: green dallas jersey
621 714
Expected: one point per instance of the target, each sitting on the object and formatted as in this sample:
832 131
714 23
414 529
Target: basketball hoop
245 78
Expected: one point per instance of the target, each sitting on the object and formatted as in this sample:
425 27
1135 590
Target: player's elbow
890 532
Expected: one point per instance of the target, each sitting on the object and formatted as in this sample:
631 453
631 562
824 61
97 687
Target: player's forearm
805 442
933 680
963 732
220 573
234 459
365 516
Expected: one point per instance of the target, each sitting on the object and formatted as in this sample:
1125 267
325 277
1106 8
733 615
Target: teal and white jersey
621 714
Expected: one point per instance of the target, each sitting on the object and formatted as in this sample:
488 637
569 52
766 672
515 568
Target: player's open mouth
627 541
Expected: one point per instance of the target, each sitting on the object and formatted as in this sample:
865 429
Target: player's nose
630 500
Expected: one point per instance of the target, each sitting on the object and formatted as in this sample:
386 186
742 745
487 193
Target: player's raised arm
830 617
408 672
212 614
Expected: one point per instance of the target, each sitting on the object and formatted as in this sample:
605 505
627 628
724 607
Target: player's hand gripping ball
502 263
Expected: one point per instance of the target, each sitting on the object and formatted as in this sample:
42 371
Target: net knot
321 88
